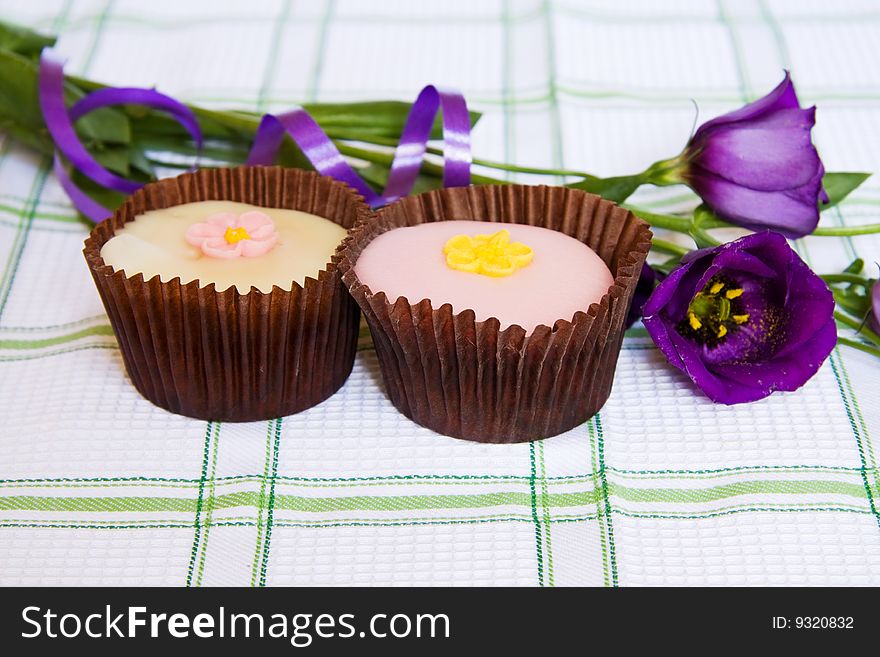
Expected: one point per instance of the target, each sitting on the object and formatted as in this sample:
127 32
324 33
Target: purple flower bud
743 319
757 167
643 290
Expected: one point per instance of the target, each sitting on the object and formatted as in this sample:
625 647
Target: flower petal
501 265
463 260
875 306
782 97
263 232
198 233
783 211
222 219
252 220
763 155
672 296
255 248
644 287
717 388
786 373
459 243
220 248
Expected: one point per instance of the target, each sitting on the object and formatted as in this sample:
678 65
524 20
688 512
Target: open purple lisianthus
743 319
757 167
644 287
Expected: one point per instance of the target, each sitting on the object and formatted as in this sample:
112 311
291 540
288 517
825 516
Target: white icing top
155 243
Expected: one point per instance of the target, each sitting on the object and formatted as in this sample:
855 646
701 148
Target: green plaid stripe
540 501
600 493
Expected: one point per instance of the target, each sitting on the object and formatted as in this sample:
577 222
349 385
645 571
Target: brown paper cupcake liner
469 379
225 355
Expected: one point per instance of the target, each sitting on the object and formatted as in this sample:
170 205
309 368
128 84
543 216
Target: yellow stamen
740 319
717 287
733 294
722 331
694 322
235 235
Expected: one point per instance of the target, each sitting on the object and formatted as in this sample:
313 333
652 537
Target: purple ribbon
60 122
318 148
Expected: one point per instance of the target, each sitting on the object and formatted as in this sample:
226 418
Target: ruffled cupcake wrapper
224 355
469 379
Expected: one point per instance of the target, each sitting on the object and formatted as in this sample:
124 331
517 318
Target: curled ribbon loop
318 148
60 122
312 141
414 141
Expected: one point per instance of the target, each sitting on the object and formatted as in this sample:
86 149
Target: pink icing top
563 277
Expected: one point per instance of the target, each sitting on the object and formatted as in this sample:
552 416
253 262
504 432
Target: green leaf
114 158
107 125
838 186
855 267
616 189
21 116
698 232
19 110
139 161
377 177
102 195
22 40
855 304
383 118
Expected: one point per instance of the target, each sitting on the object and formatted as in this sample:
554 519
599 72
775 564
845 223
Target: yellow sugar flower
490 255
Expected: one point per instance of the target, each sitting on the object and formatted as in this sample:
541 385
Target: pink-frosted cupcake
497 311
223 291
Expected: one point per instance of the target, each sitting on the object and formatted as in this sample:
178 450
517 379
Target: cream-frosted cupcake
223 292
497 311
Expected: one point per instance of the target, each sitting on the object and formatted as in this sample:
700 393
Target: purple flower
743 319
643 290
757 167
875 306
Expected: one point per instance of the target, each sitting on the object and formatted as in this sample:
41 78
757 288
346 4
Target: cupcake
497 312
223 290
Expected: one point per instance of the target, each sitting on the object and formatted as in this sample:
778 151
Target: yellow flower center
714 311
235 235
491 255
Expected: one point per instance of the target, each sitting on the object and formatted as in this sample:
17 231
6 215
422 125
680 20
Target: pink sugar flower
225 235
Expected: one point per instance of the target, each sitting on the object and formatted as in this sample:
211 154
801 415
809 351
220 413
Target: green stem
713 221
667 221
861 346
702 215
846 302
671 248
857 326
844 231
158 162
702 237
428 168
666 172
489 164
515 168
845 278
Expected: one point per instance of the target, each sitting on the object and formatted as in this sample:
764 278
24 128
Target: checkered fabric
97 486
